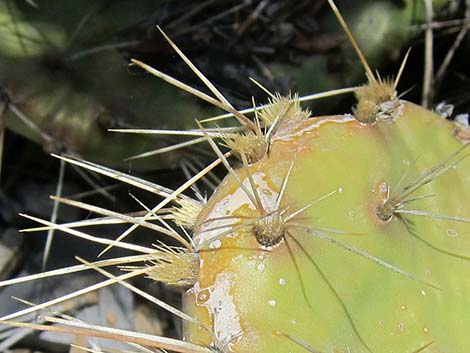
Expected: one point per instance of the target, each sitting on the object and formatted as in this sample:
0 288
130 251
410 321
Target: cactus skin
252 296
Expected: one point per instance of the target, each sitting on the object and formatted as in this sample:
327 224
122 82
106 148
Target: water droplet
282 281
215 244
381 323
383 187
352 213
403 307
401 326
452 233
423 292
203 296
294 322
267 192
426 330
272 302
340 189
260 267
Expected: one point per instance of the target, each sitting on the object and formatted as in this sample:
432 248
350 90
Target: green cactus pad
340 279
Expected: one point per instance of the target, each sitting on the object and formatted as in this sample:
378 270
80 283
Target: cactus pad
334 269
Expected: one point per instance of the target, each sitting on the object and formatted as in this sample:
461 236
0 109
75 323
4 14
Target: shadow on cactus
344 233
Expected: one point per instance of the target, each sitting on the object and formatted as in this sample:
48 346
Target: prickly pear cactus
346 236
333 234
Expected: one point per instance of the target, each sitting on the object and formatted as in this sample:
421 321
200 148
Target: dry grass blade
190 13
30 123
443 24
90 350
72 295
115 334
60 314
14 335
450 54
55 211
448 58
3 106
225 13
427 96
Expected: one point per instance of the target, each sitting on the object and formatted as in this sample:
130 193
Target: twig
55 211
450 54
427 95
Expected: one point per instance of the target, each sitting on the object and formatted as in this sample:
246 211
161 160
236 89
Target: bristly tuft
173 266
283 109
186 213
249 144
280 114
371 97
270 230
